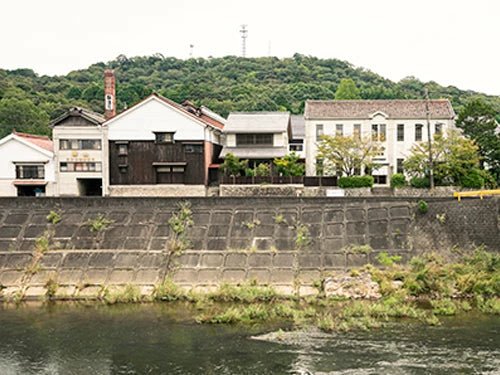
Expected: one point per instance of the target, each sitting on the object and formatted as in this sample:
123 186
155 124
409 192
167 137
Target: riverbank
425 289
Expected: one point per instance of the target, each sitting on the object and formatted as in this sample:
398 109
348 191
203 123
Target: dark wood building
161 142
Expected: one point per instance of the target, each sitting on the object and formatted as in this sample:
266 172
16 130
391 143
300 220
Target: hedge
420 182
356 181
398 180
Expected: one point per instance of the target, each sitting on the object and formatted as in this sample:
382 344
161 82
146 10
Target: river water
163 339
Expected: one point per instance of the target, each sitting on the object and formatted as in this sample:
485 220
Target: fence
280 180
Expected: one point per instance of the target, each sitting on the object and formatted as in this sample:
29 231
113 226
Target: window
378 132
80 144
296 147
380 180
401 132
122 149
34 172
80 167
254 139
319 167
339 130
418 132
193 149
438 128
164 137
319 131
356 132
399 166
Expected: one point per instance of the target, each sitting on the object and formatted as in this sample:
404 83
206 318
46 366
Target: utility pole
431 162
191 47
244 36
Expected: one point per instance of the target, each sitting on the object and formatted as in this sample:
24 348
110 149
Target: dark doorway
30 190
90 186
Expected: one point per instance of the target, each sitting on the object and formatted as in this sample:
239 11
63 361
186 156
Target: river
71 339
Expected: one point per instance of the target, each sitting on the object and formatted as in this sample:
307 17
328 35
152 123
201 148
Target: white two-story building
396 124
79 153
26 165
258 137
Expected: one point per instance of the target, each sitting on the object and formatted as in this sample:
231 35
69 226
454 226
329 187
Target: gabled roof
196 115
364 109
257 122
38 140
93 117
40 143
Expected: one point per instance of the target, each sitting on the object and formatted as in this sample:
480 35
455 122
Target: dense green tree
477 119
455 158
22 115
347 90
347 155
289 165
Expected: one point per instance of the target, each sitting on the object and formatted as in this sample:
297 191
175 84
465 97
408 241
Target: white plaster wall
393 148
141 122
16 151
231 140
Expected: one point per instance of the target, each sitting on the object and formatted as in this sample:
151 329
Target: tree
347 90
22 115
289 165
233 166
455 158
478 122
347 154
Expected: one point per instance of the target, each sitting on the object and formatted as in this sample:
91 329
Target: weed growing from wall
422 207
54 217
302 236
97 226
179 224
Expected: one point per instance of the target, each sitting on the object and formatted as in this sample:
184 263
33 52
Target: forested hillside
29 101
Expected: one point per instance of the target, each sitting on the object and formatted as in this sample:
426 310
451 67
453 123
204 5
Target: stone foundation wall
232 240
157 191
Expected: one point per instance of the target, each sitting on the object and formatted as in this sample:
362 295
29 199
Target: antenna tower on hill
244 35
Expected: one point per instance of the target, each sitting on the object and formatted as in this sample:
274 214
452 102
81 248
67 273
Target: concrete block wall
232 240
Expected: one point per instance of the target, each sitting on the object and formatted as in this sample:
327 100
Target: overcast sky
453 42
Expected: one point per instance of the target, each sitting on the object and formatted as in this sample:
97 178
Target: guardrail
474 194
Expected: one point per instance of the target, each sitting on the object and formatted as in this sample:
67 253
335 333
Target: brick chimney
109 94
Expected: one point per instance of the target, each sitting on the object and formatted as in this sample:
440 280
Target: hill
28 101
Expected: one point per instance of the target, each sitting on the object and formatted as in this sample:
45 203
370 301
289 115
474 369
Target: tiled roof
38 140
363 109
93 117
257 122
255 152
203 117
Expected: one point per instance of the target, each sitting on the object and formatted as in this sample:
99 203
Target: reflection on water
161 339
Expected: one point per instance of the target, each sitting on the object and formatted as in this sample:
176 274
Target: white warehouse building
396 124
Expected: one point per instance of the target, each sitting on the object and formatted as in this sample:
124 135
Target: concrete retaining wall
232 240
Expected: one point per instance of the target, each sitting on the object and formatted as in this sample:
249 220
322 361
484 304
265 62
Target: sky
452 42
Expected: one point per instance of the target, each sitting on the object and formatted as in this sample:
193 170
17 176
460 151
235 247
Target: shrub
387 260
473 179
263 170
423 207
420 182
398 180
355 181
